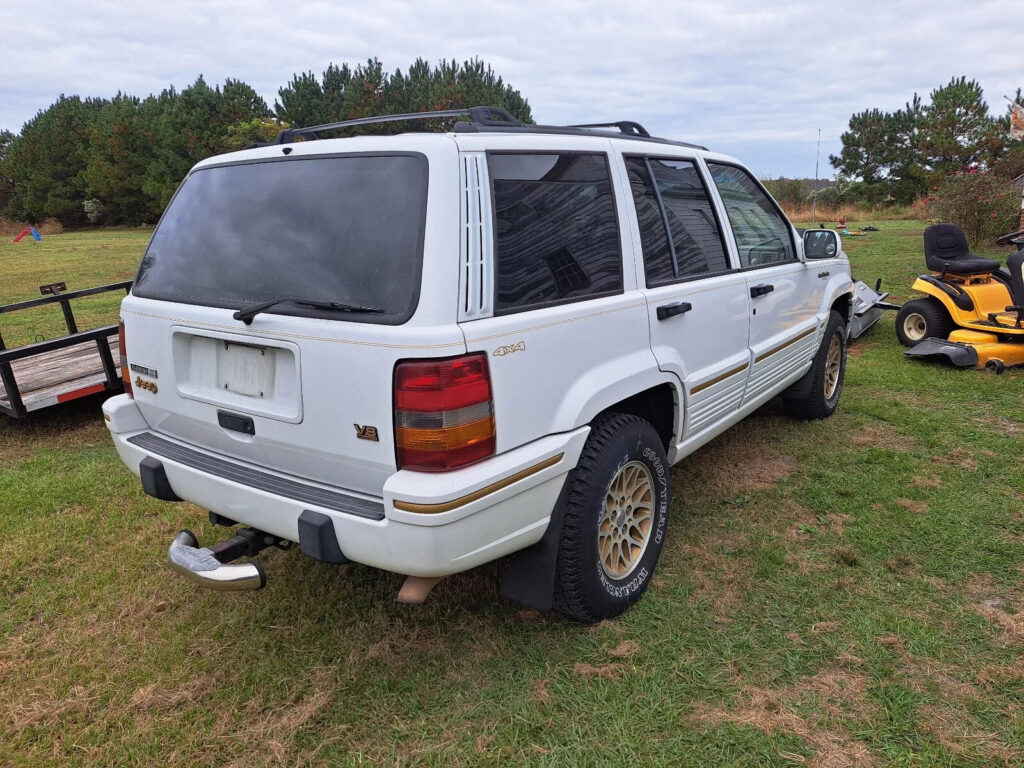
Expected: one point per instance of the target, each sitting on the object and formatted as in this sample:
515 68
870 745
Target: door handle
665 311
761 290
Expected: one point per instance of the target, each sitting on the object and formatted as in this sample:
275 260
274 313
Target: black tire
584 589
816 395
921 319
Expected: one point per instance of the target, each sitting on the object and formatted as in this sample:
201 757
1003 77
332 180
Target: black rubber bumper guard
213 567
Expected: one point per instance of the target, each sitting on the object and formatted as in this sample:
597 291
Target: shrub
983 205
94 210
50 226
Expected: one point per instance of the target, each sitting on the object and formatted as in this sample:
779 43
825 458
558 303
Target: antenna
814 192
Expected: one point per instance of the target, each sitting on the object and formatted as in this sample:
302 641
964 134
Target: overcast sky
753 79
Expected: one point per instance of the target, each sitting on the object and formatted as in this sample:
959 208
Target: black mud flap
527 577
958 354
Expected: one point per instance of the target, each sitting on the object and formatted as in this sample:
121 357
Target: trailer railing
100 336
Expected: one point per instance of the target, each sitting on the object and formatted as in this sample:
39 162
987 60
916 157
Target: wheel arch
634 385
658 405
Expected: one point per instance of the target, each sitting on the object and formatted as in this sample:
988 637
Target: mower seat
1016 264
946 251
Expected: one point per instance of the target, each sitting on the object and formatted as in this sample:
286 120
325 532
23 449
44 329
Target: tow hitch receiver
209 566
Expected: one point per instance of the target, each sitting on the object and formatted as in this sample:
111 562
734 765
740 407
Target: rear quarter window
556 229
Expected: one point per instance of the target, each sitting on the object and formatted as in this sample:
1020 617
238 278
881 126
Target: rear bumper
432 524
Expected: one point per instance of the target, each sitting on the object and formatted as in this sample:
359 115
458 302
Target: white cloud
756 79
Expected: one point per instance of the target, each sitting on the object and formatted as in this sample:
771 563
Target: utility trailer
55 371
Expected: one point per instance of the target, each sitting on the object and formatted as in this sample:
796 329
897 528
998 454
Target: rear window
345 229
557 235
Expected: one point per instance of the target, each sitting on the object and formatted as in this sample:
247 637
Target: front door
785 293
697 303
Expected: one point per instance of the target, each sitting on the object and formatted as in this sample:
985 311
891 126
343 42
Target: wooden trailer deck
58 376
55 371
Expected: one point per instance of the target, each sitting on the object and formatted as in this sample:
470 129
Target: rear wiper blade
246 314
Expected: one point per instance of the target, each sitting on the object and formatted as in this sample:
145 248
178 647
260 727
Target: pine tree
48 159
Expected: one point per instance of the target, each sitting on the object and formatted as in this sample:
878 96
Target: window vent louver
476 278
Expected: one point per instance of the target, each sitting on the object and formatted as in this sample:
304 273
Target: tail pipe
211 567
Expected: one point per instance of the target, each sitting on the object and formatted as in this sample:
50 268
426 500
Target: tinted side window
762 234
658 266
557 235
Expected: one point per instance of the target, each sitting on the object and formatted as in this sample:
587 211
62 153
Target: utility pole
814 192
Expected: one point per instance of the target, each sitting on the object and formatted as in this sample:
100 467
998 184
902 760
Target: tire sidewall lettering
635 582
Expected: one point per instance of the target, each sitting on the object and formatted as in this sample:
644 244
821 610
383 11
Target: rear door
785 293
302 390
697 303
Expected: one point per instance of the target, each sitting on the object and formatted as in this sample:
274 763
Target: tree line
118 160
900 156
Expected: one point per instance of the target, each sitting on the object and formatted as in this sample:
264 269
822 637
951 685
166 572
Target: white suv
427 351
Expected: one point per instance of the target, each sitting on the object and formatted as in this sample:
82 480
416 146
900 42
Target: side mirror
821 244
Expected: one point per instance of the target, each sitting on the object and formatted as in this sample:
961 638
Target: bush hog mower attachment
867 307
972 313
211 567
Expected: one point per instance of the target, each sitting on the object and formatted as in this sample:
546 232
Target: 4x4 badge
509 349
367 433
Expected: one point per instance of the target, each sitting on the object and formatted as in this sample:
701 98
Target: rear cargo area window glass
347 230
669 195
557 236
763 236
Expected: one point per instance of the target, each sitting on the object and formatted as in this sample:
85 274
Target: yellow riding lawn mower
973 307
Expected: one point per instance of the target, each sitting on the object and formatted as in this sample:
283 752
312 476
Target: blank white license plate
246 370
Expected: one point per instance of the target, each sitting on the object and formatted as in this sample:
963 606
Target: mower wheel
922 319
994 365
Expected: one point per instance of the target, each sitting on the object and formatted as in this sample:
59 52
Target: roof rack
483 119
626 126
481 116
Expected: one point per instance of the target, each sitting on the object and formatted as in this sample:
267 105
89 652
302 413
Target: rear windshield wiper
246 314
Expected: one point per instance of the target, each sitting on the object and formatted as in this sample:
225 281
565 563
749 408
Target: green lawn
80 259
839 593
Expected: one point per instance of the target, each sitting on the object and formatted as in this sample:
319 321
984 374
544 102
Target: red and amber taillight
126 375
444 413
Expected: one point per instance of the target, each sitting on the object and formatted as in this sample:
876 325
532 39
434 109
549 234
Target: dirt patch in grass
1001 426
912 506
835 696
1004 609
740 461
624 650
883 436
717 579
994 675
965 737
926 483
948 698
959 457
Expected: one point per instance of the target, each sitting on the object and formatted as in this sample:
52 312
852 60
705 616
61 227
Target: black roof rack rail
626 126
481 116
487 119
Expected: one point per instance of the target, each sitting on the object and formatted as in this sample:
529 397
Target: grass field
839 593
80 259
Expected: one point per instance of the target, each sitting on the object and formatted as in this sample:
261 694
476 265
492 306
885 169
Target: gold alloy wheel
625 528
833 364
914 326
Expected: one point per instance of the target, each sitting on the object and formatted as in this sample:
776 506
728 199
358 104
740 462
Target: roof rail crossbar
626 126
484 116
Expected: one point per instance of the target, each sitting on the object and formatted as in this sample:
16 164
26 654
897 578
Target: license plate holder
246 369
